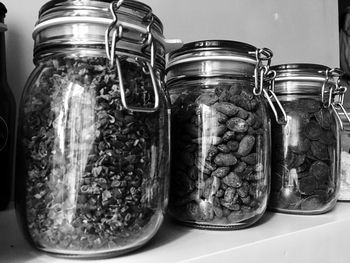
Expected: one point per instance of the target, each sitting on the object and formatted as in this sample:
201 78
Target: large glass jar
305 157
220 174
93 142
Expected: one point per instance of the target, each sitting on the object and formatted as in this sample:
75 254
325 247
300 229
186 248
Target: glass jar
305 157
220 173
7 121
93 142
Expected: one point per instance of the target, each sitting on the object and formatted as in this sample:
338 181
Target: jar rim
214 44
63 23
301 78
55 8
213 50
213 58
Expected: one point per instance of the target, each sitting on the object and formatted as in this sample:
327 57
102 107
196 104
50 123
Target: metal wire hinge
263 62
115 33
336 95
269 94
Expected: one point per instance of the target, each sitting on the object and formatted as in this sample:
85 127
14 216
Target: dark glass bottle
7 121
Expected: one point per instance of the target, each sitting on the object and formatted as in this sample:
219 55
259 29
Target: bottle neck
3 73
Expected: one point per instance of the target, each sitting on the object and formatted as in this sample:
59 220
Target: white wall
296 30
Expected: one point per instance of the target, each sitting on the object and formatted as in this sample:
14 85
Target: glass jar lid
214 58
302 79
75 23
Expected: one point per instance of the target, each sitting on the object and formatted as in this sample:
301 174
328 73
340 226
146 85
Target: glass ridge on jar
220 136
93 142
306 150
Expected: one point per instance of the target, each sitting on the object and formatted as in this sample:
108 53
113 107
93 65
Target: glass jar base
107 252
301 212
218 226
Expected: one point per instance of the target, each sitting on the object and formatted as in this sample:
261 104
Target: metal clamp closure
338 94
270 94
263 62
334 74
115 32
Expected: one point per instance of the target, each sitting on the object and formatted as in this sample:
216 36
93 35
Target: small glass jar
306 149
220 173
344 192
93 142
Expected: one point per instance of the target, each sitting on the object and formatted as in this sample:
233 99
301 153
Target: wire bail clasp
115 33
263 62
338 94
270 94
334 74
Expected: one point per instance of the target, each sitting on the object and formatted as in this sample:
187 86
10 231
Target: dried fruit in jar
91 166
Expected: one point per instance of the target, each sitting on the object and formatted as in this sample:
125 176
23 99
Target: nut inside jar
303 158
219 170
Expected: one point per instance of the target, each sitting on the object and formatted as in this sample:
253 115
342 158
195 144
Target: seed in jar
207 99
251 119
232 180
246 145
201 163
313 202
233 145
324 118
223 148
243 190
319 150
218 211
250 159
307 185
237 125
240 166
225 159
211 152
221 172
244 100
228 135
220 117
246 200
226 108
313 130
211 186
321 171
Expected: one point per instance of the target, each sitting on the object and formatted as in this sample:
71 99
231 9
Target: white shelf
276 238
